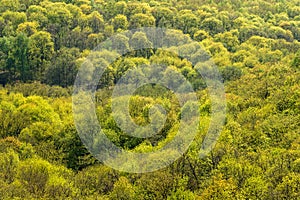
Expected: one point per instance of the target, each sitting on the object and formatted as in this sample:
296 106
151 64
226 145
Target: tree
121 7
95 21
63 70
21 44
120 22
296 61
58 14
59 21
11 5
15 18
32 110
212 25
141 20
40 52
187 22
182 194
37 14
76 38
93 40
175 38
15 58
255 188
155 185
96 180
59 188
181 191
220 189
279 33
229 39
123 190
140 43
134 8
219 53
75 155
164 17
200 35
289 187
29 28
108 31
231 73
8 164
34 175
120 43
76 13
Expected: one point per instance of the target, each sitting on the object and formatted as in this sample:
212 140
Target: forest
255 46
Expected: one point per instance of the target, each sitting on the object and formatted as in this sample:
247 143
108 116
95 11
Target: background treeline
45 41
256 46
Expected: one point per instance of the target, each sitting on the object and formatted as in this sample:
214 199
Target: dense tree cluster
46 40
256 46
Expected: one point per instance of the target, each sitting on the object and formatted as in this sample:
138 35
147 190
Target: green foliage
156 185
9 162
255 45
40 50
96 179
34 175
296 61
289 187
220 189
141 20
123 190
120 22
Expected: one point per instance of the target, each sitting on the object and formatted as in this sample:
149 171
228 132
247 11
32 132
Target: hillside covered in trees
254 44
